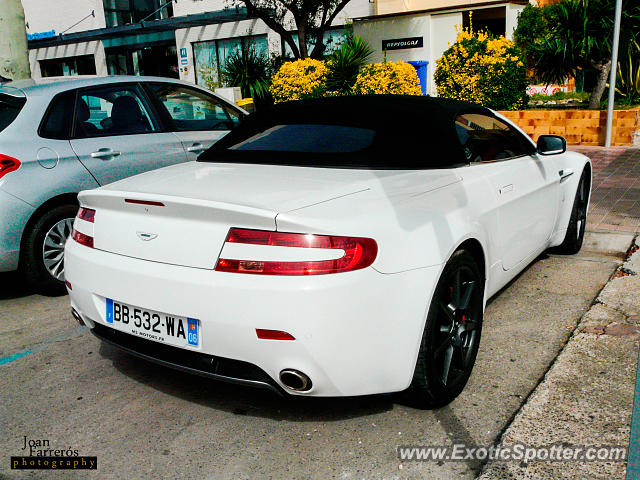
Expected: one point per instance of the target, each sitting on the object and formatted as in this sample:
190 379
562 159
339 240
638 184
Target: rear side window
57 121
10 107
117 110
486 139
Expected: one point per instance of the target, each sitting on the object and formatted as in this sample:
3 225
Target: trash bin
421 70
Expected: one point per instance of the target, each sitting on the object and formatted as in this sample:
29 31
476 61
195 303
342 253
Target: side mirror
551 144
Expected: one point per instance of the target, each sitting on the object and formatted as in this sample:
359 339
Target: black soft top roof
412 132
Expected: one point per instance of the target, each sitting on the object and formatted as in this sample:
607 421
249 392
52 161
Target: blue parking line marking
13 357
633 458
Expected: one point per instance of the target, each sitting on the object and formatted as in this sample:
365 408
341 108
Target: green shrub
628 77
388 78
485 70
577 96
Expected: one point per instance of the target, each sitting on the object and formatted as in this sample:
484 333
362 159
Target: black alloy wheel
451 336
577 222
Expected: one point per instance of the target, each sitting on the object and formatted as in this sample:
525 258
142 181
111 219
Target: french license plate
153 325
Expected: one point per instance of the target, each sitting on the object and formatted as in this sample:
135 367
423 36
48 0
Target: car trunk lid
199 202
167 229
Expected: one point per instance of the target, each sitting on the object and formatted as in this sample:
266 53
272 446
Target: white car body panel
344 341
349 338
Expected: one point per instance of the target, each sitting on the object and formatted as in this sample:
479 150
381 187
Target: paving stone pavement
615 196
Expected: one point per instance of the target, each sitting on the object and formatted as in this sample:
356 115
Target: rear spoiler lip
91 199
12 91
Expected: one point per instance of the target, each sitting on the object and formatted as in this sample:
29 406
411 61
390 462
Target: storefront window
154 60
228 47
332 40
69 66
211 56
205 55
125 12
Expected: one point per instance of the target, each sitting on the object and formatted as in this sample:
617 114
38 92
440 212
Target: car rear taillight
82 239
8 164
86 215
358 253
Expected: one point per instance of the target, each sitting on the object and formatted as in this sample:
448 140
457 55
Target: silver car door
116 134
198 118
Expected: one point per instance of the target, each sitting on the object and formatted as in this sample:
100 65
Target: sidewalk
586 397
615 197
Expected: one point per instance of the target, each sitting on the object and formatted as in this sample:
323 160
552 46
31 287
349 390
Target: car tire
451 334
36 265
577 222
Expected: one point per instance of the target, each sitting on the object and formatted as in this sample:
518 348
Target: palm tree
345 64
14 54
580 37
249 70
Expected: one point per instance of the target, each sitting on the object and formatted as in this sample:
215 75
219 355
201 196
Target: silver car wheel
53 247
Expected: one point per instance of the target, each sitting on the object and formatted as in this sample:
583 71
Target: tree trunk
302 41
603 74
14 53
318 50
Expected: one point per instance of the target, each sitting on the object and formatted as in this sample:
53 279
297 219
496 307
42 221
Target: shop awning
143 28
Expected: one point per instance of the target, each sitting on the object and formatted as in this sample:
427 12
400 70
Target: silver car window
112 111
192 110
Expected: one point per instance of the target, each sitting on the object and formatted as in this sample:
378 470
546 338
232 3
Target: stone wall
579 127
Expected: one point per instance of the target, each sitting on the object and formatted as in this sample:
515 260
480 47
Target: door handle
196 148
506 188
104 153
567 172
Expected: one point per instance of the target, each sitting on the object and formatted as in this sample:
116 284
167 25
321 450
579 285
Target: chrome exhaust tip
77 316
295 380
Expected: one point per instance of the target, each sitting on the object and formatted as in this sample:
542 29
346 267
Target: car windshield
10 107
308 139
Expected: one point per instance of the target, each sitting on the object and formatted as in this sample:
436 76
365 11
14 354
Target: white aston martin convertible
341 246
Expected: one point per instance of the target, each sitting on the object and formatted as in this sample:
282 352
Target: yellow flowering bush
482 69
299 79
398 78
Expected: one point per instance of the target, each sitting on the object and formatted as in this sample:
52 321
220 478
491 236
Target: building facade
187 39
423 35
191 39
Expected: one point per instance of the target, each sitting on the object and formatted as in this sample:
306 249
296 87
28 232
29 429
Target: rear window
10 107
367 132
308 139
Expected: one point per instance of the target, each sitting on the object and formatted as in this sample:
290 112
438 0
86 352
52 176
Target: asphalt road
145 421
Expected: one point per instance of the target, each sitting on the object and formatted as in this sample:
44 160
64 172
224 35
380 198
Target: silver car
61 136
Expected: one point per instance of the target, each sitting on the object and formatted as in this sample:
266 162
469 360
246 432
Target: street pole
14 52
612 77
